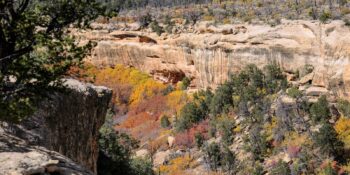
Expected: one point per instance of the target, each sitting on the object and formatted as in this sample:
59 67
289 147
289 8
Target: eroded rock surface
19 158
68 123
208 54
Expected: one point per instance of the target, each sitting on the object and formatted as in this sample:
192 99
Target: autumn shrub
184 139
178 165
329 167
145 91
342 127
188 137
176 100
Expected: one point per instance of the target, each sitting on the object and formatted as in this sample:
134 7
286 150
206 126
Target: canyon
208 53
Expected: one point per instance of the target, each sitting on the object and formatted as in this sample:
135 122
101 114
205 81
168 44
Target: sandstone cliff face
208 53
68 122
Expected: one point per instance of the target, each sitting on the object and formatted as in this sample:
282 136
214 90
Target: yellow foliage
178 165
176 100
261 91
237 129
226 21
295 139
145 90
208 18
343 129
269 127
143 86
166 133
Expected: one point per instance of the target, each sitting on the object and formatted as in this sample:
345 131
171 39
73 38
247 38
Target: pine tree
319 111
36 50
326 139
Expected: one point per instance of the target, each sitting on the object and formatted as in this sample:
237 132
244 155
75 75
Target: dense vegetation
248 107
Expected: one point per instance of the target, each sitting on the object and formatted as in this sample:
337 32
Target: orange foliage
187 138
146 131
155 105
136 95
138 119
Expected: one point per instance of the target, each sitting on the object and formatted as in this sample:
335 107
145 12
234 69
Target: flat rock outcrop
67 122
209 53
19 158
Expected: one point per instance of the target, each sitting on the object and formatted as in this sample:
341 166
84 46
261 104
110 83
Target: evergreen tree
164 121
319 111
326 139
282 168
199 139
36 50
229 162
213 156
222 100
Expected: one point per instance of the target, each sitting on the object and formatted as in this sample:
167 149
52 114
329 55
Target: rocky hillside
66 122
208 53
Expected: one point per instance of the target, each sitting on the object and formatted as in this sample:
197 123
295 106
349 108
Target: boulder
171 141
306 79
316 91
143 153
320 78
160 158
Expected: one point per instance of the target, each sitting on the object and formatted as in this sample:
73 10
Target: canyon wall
209 53
68 122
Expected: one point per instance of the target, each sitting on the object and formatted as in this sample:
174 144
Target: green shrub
189 115
164 121
281 168
319 111
199 139
156 28
294 92
347 22
141 166
145 20
169 24
344 107
185 83
213 156
222 100
225 127
325 16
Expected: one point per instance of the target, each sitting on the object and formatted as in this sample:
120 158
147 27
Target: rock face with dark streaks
208 54
68 122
